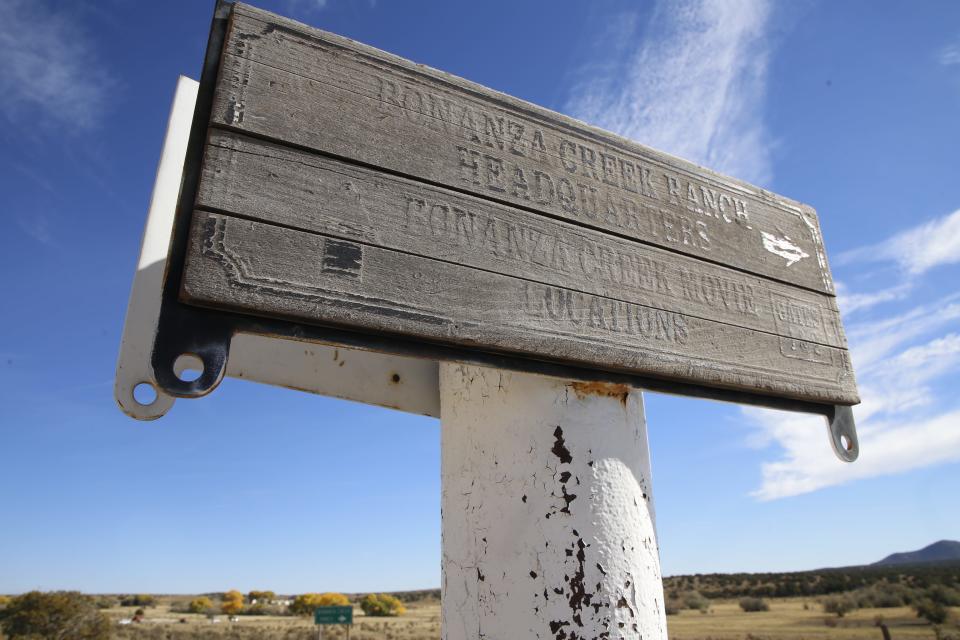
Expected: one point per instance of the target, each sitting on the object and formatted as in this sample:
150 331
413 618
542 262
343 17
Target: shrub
888 600
303 605
930 610
255 610
381 604
106 602
840 605
754 604
694 600
4 601
54 615
672 605
882 596
139 600
265 610
232 602
203 604
944 595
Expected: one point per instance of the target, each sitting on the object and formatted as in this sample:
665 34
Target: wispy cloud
51 73
915 250
318 5
851 302
906 364
692 81
892 448
38 227
694 86
950 55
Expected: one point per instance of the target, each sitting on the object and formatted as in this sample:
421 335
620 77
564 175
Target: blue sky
849 106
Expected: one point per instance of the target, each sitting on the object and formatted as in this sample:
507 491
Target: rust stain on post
606 389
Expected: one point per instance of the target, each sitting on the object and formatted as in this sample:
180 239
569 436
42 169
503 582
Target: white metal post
548 520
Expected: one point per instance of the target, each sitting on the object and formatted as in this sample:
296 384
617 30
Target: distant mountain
943 551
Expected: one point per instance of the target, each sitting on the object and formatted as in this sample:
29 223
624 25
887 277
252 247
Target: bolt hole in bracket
843 433
165 340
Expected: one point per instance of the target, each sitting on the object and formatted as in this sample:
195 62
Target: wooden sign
343 186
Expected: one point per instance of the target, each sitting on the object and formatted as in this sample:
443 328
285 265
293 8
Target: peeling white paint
783 247
548 522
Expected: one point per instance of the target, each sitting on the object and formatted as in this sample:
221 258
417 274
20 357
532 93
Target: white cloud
872 342
851 302
906 419
50 71
950 55
38 227
694 87
915 250
885 449
317 5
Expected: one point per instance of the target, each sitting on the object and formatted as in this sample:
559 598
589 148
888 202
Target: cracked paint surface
548 520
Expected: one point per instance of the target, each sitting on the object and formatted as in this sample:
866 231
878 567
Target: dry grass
421 622
786 620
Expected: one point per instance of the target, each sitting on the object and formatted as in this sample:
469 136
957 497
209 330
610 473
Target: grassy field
420 622
786 620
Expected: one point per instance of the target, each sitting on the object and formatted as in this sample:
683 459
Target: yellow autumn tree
304 604
200 605
382 604
232 602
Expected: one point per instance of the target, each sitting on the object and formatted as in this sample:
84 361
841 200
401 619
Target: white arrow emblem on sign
783 247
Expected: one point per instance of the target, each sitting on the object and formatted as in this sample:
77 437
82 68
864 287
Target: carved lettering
494 173
573 310
715 291
501 133
469 165
493 131
794 318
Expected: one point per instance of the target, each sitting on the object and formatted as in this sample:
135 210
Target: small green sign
333 615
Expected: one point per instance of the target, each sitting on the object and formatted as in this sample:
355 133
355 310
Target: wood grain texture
261 268
344 186
306 87
264 181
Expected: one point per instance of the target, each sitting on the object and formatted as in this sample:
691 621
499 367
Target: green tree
54 616
930 610
381 604
304 604
203 604
840 605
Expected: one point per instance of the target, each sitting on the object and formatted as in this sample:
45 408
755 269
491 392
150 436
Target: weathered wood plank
264 181
302 86
265 269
